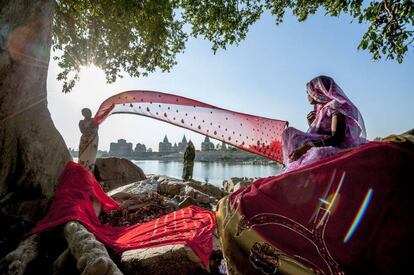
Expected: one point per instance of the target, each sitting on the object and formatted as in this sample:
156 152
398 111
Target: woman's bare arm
337 132
335 139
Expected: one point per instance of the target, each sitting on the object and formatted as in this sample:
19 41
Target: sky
265 75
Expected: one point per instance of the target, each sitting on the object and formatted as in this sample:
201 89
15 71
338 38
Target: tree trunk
32 152
90 254
18 259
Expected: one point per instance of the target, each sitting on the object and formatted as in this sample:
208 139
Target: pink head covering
329 95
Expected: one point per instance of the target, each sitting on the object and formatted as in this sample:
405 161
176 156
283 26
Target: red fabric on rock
350 212
254 134
191 226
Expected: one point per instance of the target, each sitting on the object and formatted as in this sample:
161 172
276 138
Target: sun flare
90 72
92 88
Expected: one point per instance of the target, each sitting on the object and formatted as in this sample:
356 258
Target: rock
213 200
169 259
172 206
174 202
230 185
170 188
177 199
238 186
136 209
120 196
187 202
160 178
115 172
409 132
196 195
203 195
135 188
208 189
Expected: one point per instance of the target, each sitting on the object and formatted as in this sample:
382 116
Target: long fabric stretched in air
254 134
191 226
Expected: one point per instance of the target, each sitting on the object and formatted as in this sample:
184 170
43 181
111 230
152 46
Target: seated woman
334 124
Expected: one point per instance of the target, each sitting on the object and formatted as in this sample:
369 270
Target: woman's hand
311 117
301 151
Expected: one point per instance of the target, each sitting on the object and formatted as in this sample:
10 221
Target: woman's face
311 100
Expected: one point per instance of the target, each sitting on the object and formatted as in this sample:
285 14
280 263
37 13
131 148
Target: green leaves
222 22
141 36
137 37
391 30
389 35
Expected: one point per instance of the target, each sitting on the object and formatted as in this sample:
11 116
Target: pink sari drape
331 100
255 134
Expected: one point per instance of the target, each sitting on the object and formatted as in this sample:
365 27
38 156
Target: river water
211 172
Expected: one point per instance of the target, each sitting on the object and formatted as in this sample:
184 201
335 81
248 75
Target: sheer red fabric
191 226
255 134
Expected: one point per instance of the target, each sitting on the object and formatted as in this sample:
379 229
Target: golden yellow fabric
238 249
404 139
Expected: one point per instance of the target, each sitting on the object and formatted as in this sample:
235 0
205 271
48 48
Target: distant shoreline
231 157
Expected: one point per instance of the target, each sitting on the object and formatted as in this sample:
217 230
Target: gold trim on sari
246 252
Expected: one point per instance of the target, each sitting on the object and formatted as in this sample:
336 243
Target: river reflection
211 172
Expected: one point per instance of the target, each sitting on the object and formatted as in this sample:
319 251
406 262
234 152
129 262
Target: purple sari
331 100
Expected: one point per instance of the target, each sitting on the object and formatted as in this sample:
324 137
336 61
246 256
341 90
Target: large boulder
115 172
195 194
168 259
170 188
207 188
135 188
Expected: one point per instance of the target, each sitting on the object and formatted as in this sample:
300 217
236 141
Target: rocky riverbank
158 195
142 198
151 198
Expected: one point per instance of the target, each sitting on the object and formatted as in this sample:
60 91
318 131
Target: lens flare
23 47
332 201
359 215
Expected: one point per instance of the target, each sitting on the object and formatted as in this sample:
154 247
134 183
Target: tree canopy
141 36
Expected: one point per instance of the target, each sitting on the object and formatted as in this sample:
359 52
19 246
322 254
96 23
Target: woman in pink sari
334 124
